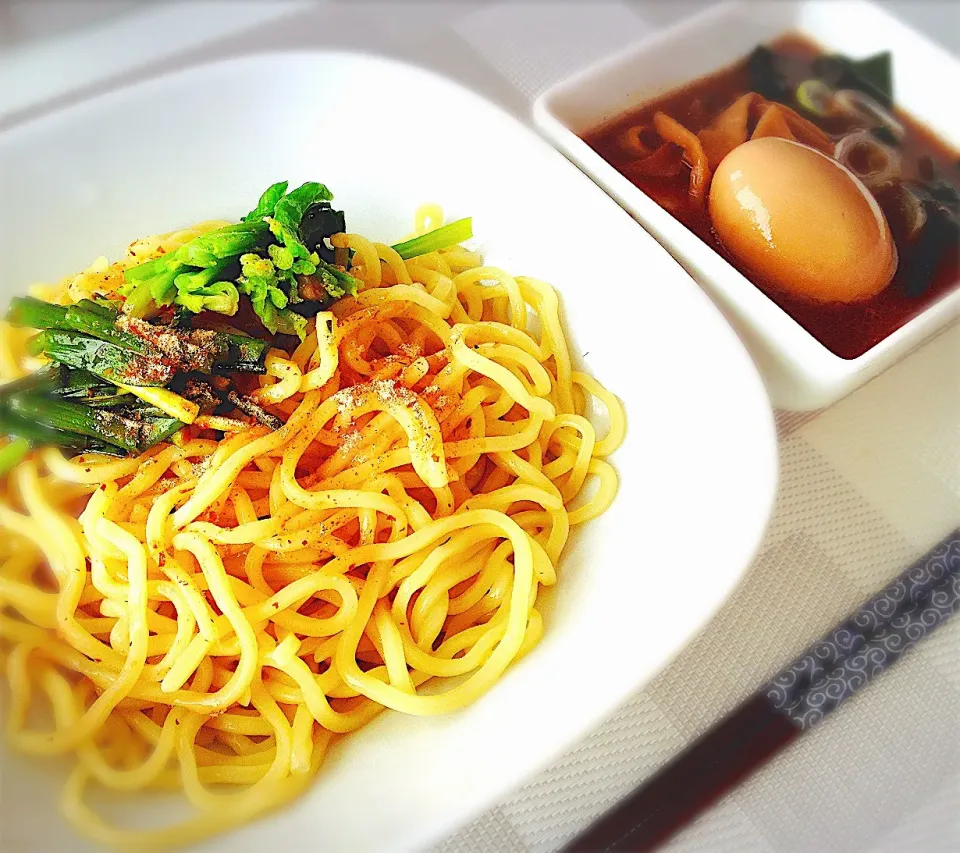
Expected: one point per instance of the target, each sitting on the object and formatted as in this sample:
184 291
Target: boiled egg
801 222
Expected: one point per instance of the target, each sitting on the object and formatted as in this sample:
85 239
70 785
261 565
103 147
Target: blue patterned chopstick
828 673
872 639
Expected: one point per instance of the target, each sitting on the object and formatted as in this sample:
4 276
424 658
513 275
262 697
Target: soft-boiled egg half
801 222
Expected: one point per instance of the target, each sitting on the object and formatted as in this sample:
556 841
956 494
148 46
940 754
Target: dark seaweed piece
321 221
873 75
245 354
830 68
876 72
254 409
946 195
310 307
885 135
199 391
766 75
940 235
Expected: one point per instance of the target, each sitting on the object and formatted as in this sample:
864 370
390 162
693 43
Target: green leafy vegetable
291 207
209 249
290 249
99 305
103 326
75 402
259 280
337 282
36 314
101 397
185 277
433 241
70 381
268 202
146 270
205 291
179 348
260 257
143 299
48 378
74 409
244 353
290 323
114 376
281 256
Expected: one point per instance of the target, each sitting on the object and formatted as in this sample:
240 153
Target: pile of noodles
208 616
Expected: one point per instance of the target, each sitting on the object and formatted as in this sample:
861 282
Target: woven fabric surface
866 486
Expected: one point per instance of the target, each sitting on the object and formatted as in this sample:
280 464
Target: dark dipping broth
929 258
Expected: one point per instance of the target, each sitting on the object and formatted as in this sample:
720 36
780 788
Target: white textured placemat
865 487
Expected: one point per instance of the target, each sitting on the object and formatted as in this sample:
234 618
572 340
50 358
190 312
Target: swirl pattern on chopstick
872 639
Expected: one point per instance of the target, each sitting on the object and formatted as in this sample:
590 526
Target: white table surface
865 486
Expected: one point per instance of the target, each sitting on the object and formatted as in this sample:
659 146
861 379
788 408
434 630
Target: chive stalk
41 435
115 364
132 434
434 241
96 321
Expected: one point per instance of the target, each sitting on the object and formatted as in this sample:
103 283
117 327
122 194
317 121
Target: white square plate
698 468
800 372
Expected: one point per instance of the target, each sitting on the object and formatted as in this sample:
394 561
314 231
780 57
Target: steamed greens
114 383
262 258
128 369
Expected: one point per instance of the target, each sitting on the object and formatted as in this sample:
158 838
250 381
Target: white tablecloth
865 486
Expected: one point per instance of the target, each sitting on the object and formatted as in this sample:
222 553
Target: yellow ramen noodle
208 616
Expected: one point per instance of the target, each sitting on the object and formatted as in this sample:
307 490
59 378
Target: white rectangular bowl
698 468
800 372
